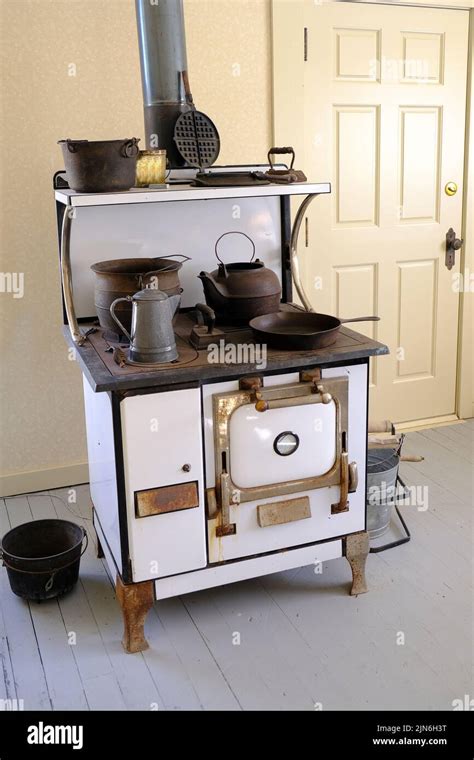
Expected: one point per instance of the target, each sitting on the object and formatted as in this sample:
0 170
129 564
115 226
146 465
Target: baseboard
431 422
43 480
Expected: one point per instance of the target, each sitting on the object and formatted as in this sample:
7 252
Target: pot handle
153 272
232 232
115 318
130 149
72 144
140 277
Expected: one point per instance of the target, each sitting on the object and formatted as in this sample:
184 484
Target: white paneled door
384 118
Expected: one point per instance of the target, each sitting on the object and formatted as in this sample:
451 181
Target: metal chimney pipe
163 62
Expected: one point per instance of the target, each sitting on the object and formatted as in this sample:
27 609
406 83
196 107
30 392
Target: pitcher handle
114 316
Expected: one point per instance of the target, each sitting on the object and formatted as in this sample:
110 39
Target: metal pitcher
151 337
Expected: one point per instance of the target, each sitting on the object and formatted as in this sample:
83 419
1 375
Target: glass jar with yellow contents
151 168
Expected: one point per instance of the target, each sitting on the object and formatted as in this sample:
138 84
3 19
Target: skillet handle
360 319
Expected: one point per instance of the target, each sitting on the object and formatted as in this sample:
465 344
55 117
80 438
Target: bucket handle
140 277
173 256
49 583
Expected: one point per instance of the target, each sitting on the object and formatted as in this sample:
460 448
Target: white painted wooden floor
304 640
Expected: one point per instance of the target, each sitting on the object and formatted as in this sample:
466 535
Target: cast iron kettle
241 291
151 338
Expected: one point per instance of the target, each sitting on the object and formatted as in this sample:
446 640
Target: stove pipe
163 62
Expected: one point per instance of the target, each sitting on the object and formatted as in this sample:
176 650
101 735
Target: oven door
283 459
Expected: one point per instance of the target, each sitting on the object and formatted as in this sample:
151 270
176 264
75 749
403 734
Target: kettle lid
150 294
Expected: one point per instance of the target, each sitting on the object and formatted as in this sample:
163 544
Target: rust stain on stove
156 501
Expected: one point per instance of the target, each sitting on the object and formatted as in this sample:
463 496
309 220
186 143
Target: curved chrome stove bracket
295 272
66 276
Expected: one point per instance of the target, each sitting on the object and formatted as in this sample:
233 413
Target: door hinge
306 232
306 43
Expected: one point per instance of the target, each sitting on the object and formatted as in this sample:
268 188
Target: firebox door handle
353 477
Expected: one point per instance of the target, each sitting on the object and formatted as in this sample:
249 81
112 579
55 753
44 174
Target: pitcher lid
150 294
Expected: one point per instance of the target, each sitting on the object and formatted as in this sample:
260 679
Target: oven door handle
348 484
316 395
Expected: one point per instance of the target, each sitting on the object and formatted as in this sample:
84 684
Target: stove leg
356 549
100 551
135 599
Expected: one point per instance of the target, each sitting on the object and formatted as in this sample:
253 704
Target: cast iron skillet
301 331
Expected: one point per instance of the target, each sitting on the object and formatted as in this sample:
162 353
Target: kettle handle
233 232
114 316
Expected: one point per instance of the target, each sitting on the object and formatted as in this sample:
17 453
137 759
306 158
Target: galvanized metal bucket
382 473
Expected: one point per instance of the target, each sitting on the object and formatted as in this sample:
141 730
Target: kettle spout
211 287
174 302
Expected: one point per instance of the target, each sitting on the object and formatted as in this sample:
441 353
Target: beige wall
41 403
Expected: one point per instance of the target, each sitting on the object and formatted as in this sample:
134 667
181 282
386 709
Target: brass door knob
450 188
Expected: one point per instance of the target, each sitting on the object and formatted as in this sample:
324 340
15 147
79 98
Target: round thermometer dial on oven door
286 443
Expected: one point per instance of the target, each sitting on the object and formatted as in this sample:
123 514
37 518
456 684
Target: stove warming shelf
186 192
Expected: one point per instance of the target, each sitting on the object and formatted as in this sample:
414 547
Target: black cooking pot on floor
43 557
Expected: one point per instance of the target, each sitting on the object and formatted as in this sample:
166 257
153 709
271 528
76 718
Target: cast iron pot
119 278
100 166
42 557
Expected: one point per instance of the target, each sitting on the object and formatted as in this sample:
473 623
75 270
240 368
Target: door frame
287 28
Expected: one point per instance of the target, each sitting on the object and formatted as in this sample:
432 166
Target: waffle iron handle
187 89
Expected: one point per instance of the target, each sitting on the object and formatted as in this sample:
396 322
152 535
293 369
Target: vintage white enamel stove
206 473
